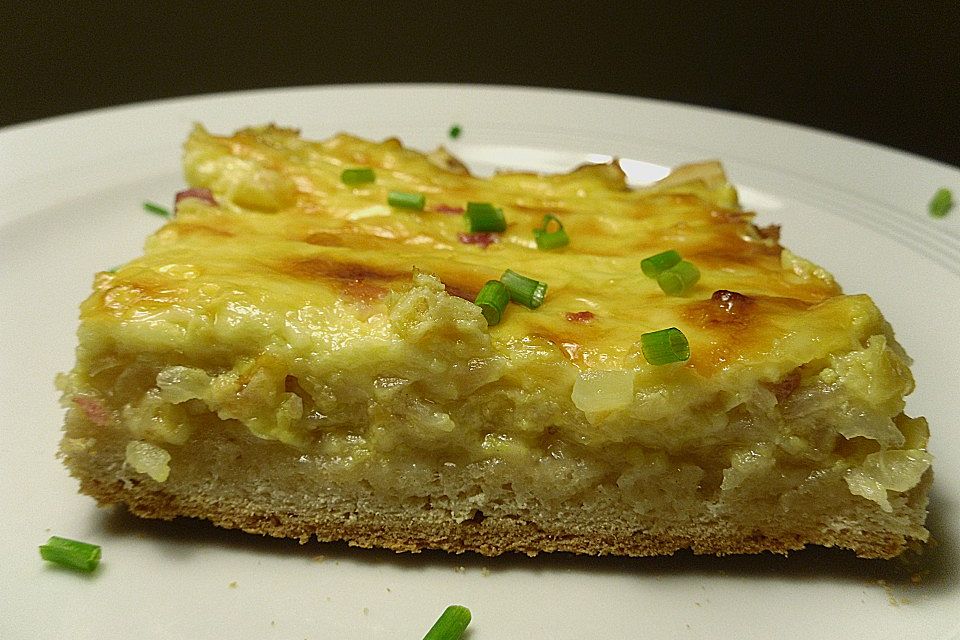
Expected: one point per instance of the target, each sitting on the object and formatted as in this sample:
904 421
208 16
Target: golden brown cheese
330 237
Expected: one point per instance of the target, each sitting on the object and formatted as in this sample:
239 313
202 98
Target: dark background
888 72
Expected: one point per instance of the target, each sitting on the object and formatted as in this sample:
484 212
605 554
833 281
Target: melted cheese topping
289 229
311 312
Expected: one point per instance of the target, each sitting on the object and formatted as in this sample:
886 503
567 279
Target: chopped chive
657 264
665 346
941 203
523 290
483 216
80 556
678 279
455 131
156 209
450 625
550 234
406 200
492 300
357 176
482 239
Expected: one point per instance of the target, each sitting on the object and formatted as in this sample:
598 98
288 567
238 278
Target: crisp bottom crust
412 530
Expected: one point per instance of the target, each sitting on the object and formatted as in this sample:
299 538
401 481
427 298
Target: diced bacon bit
461 291
771 232
481 238
446 208
93 409
786 386
582 317
200 193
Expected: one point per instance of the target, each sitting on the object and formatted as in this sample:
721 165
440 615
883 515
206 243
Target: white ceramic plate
70 204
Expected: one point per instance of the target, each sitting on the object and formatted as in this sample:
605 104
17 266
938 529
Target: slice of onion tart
355 341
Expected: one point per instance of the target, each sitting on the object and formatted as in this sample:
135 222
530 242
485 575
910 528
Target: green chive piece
655 265
665 346
156 209
450 625
550 235
492 300
455 131
523 290
678 279
483 216
941 203
80 556
362 175
406 200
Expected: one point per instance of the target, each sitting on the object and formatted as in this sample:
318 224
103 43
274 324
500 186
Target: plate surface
71 190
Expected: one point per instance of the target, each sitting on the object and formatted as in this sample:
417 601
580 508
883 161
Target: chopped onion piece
596 391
